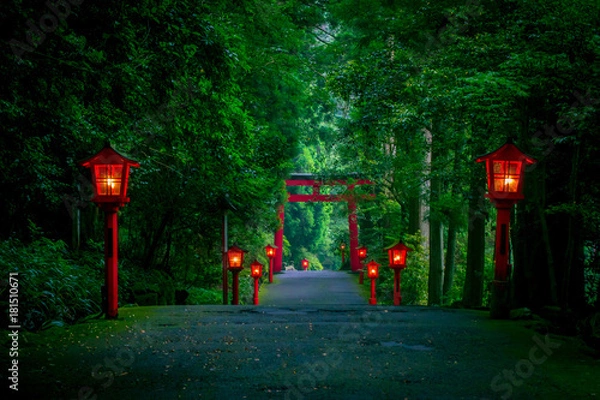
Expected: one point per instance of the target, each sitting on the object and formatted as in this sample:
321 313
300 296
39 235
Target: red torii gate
316 196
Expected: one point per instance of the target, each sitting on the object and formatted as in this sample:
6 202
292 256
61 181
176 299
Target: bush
55 286
204 296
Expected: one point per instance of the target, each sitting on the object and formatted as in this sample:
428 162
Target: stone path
313 287
313 337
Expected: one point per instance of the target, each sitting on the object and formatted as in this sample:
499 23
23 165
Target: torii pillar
353 228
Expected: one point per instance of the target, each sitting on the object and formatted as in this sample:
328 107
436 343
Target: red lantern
397 255
362 252
373 273
271 251
235 257
505 169
256 272
110 175
373 270
256 269
305 264
342 250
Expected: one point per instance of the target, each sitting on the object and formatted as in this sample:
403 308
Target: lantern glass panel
256 270
506 175
398 257
270 251
235 259
108 179
362 252
373 270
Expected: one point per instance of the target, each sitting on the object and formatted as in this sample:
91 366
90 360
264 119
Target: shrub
204 296
55 286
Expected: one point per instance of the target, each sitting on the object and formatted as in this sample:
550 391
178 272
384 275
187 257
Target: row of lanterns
505 169
235 259
397 262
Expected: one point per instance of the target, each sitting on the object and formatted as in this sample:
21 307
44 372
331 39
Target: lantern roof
108 155
507 152
398 246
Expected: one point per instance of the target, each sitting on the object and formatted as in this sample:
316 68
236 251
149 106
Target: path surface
312 287
300 350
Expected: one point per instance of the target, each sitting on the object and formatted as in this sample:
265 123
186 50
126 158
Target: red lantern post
397 257
362 254
305 264
343 251
271 253
373 273
110 178
505 169
235 258
256 272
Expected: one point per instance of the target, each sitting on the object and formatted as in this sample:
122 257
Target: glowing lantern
305 264
256 269
270 250
362 252
271 253
505 169
256 272
373 273
110 175
397 255
373 270
235 257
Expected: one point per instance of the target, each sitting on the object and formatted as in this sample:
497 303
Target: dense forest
219 101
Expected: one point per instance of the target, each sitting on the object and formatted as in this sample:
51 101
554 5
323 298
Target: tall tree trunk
473 289
425 208
598 296
436 250
414 215
156 238
450 263
436 237
478 212
165 265
573 281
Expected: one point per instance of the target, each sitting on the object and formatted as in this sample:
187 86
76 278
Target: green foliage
54 285
204 296
209 98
